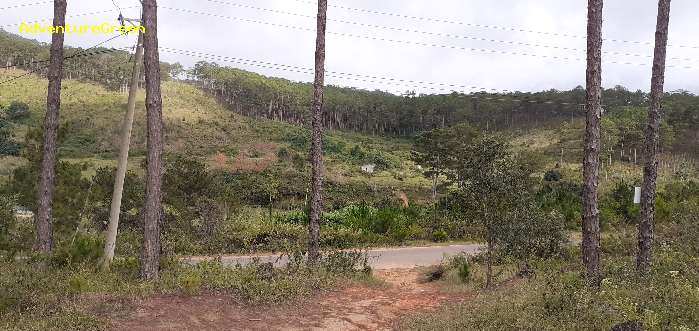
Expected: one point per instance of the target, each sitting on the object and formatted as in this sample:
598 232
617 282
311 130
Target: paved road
384 258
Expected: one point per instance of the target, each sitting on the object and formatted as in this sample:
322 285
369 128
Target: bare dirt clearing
357 307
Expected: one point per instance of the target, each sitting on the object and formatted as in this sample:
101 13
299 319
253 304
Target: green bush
530 233
83 249
563 197
299 139
617 206
296 217
71 197
440 236
675 198
460 263
464 272
552 176
344 262
8 146
7 222
686 230
17 111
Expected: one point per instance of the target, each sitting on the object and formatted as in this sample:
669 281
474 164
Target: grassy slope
195 124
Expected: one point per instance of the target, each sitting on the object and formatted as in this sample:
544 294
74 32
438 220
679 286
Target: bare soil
355 307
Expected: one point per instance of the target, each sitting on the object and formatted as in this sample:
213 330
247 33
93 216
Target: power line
417 43
37 20
115 5
352 76
482 50
298 69
27 5
438 34
487 26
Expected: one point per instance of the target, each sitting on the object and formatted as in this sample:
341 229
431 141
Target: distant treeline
109 67
381 113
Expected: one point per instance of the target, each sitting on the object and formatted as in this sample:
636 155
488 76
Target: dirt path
351 308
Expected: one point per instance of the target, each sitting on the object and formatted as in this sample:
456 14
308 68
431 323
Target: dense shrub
71 194
530 233
552 176
10 241
131 199
17 111
675 198
8 145
462 265
563 197
83 249
617 206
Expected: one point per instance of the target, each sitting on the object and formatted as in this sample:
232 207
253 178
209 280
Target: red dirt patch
255 158
351 308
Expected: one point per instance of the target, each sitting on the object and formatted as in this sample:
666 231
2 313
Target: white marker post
637 195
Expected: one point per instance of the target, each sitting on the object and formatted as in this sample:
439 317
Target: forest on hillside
372 112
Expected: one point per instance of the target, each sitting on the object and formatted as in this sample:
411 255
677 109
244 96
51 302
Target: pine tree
317 136
47 174
150 256
593 102
650 169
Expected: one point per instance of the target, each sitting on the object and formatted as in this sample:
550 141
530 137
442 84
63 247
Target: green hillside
196 125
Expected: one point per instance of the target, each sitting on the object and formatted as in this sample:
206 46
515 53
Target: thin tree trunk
317 137
434 188
650 169
150 258
489 264
113 226
47 175
590 225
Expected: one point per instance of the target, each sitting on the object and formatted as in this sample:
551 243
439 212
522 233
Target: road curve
381 258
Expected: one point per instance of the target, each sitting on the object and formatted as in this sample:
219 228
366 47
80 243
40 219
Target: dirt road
349 308
356 307
379 259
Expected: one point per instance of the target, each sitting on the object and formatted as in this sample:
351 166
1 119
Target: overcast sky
447 49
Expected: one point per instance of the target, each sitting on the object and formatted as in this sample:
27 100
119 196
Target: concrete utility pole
127 125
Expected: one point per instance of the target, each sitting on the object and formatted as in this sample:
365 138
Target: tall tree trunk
590 224
113 226
317 136
650 169
47 175
150 257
